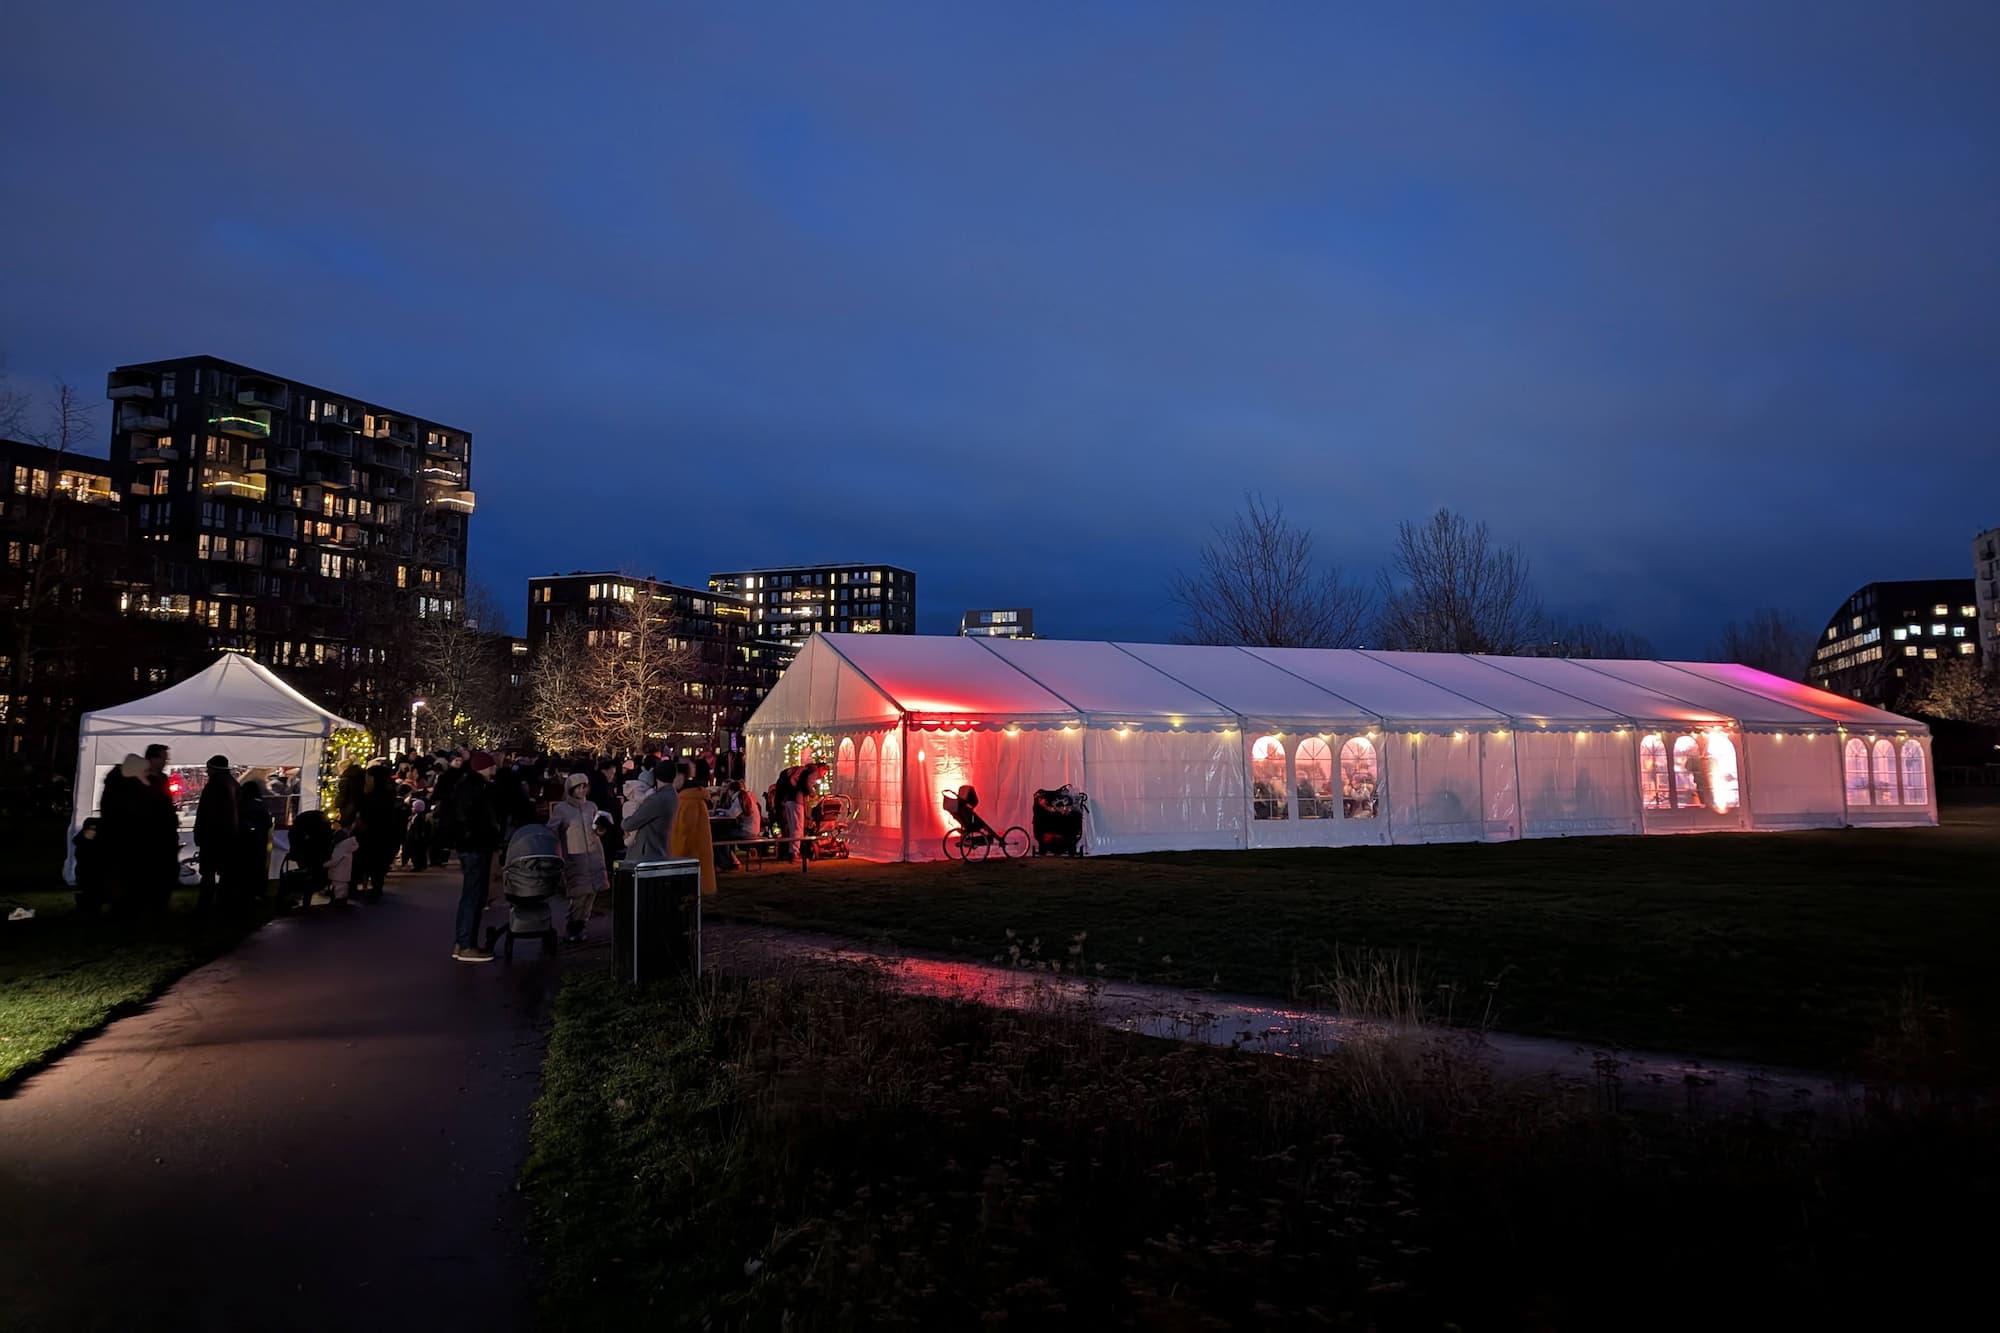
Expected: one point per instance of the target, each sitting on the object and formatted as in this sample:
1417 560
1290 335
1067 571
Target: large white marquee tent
1186 747
236 707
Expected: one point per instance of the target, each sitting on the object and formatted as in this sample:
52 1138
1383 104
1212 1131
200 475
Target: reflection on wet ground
1253 1024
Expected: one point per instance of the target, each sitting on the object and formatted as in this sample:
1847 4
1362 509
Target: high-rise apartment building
1986 591
1884 642
734 668
1000 622
305 527
789 603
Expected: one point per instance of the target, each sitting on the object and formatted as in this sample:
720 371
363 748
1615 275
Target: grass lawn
63 976
809 1152
1812 949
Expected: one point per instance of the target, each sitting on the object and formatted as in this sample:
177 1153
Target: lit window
1958 631
1967 649
1267 779
1937 629
1901 634
1855 766
1968 611
1313 767
1855 623
1885 774
1359 790
1655 775
1940 609
1909 650
1916 780
1930 654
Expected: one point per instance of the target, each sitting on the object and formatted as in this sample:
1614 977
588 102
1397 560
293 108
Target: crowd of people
425 811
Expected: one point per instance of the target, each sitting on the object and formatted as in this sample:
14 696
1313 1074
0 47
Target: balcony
132 417
338 446
438 474
249 424
279 462
265 394
228 482
154 453
455 450
131 385
333 476
85 487
456 501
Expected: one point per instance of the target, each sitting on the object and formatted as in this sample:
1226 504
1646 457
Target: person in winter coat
648 827
690 834
604 784
253 845
574 819
215 833
473 829
157 871
347 794
728 813
379 826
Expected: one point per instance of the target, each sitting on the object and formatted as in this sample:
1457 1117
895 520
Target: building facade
790 603
1986 595
733 671
1003 622
305 527
69 572
1883 643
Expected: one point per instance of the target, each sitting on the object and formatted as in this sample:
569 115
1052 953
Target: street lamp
415 704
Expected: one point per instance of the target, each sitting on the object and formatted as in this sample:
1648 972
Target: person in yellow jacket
690 835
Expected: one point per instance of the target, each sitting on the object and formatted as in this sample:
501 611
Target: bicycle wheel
1015 842
954 846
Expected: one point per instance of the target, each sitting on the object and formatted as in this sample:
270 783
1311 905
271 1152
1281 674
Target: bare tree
1258 585
1768 640
460 668
1958 692
1590 638
69 423
1451 588
617 687
16 405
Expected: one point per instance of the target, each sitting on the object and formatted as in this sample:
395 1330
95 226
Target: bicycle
974 839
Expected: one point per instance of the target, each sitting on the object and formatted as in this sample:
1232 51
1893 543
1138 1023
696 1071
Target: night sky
1699 302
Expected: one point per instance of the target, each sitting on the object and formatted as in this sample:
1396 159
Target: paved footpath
322 1130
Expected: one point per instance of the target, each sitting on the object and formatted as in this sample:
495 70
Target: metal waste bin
656 919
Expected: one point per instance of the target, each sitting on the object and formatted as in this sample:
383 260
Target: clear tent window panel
1687 768
1724 787
1886 787
1855 764
890 806
1267 778
1656 786
1313 764
867 782
1360 785
1916 782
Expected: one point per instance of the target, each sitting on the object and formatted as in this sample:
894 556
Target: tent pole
904 761
1520 811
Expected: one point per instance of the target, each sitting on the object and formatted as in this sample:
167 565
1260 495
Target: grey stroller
531 877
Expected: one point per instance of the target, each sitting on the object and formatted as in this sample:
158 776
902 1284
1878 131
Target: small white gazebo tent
236 707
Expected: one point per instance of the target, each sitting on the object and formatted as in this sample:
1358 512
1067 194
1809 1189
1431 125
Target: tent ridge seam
1381 719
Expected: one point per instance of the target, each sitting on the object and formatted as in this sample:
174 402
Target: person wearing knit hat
480 762
574 819
216 833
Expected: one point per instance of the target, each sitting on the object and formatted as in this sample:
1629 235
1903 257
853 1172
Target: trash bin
656 919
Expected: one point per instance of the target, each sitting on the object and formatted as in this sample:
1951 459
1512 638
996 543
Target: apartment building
1001 622
1986 592
789 603
304 526
1884 641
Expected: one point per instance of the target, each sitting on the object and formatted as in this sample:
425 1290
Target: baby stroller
305 869
531 878
974 839
826 824
1058 821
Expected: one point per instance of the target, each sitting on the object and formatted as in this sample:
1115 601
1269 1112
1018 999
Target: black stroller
974 839
304 870
1058 821
531 878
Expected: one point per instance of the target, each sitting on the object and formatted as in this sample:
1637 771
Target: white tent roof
234 697
869 678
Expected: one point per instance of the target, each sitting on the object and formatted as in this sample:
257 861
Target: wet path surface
321 1130
1251 1023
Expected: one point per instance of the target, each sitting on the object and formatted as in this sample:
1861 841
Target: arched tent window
1916 781
1360 789
1885 773
1656 783
1724 790
1855 759
1267 778
1313 767
1687 769
843 765
891 803
865 779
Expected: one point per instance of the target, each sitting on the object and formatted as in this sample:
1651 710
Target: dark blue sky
1698 301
